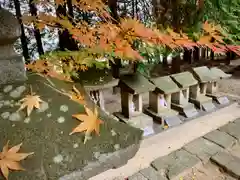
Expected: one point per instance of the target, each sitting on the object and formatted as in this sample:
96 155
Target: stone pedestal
198 92
180 100
212 87
12 65
212 91
180 103
199 98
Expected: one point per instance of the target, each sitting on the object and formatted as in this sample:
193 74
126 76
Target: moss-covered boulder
58 155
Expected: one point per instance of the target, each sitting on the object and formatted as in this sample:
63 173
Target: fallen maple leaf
9 159
90 123
30 101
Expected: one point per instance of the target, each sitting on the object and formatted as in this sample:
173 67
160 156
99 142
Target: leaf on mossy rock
9 159
90 123
30 102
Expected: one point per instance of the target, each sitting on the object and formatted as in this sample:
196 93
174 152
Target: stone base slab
167 116
219 98
204 103
188 110
142 121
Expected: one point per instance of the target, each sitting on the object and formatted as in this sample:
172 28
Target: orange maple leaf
9 159
90 123
30 102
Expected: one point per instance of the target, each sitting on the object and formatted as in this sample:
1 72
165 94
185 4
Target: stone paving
218 150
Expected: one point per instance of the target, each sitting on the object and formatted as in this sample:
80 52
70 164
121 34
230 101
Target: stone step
229 163
147 174
176 164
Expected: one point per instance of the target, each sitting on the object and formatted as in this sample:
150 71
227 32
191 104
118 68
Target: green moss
95 76
48 138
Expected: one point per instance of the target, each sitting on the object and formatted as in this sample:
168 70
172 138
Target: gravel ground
231 86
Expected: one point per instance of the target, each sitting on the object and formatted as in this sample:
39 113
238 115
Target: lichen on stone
58 159
64 108
49 115
61 119
27 120
5 115
116 146
7 103
113 133
75 145
15 116
96 154
7 88
43 107
17 92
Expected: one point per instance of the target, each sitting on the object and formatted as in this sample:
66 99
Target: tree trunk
187 56
212 55
165 62
112 4
228 58
203 53
176 65
65 39
33 11
196 54
70 9
23 36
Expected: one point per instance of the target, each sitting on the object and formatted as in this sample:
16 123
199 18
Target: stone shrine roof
203 74
135 83
165 85
218 72
184 79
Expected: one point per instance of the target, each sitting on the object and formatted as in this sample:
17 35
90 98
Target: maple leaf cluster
107 37
9 159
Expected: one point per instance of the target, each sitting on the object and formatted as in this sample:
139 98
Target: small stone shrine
132 87
160 101
180 99
198 92
96 92
212 87
57 155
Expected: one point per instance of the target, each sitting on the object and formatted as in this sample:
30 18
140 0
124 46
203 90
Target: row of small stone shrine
184 93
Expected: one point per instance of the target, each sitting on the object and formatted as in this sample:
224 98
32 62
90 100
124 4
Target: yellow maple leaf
29 102
9 159
90 122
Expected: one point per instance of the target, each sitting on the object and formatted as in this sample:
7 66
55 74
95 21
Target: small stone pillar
12 67
131 104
